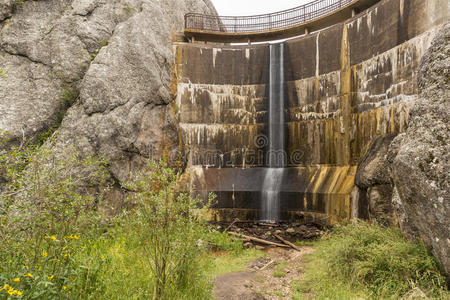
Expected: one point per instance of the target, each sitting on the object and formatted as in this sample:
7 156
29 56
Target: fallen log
232 223
251 238
293 246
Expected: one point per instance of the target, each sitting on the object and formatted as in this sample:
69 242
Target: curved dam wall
345 85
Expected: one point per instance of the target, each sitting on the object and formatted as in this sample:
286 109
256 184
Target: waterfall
276 155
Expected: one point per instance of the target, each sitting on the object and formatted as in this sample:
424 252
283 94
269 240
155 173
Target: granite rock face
46 48
6 7
373 180
420 157
116 55
124 113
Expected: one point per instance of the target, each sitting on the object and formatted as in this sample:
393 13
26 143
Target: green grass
216 264
306 243
126 271
368 261
60 248
279 274
280 271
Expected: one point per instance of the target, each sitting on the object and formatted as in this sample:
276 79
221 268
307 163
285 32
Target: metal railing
265 22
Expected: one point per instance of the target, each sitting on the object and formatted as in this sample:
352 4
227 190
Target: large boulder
420 159
374 183
124 113
117 54
109 61
45 49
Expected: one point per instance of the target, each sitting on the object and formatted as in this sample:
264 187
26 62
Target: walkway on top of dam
289 23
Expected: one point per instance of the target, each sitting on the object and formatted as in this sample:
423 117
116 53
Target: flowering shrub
52 246
47 219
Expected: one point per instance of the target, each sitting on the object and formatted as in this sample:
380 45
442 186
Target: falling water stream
276 154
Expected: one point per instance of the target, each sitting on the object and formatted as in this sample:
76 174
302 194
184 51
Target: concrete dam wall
343 87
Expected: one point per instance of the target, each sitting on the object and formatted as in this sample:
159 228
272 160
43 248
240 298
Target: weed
279 274
46 221
69 96
370 261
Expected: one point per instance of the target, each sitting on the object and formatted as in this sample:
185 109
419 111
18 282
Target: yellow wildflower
103 257
64 287
6 287
44 254
16 279
28 275
65 255
18 293
72 236
11 291
53 237
51 277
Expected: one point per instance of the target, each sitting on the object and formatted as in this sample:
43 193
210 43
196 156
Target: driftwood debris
251 238
293 246
232 223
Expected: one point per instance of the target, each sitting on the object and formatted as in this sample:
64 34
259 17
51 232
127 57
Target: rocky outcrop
116 55
420 157
45 49
406 180
373 180
123 113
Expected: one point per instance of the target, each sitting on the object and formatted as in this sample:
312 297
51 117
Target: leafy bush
373 261
52 243
170 230
47 217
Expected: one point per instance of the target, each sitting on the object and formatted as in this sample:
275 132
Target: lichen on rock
421 155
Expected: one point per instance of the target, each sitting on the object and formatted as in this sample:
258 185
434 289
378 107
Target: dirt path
266 278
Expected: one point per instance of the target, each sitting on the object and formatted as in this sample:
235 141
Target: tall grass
363 260
47 218
53 244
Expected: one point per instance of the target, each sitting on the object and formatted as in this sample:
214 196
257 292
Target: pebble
290 230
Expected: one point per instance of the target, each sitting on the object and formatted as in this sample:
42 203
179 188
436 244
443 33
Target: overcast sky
253 7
